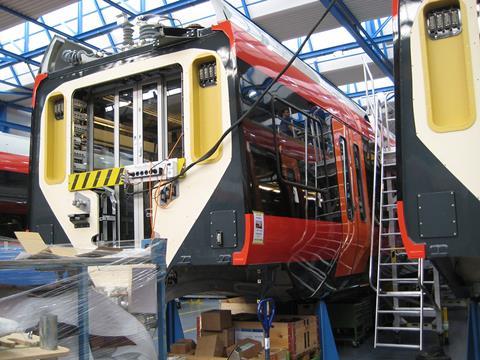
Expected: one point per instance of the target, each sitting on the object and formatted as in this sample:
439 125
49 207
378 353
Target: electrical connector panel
153 171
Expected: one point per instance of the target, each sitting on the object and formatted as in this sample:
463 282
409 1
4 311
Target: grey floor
456 349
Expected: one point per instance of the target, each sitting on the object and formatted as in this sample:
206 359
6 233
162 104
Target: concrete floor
191 309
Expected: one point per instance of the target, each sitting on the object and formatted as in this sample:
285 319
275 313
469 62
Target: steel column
345 17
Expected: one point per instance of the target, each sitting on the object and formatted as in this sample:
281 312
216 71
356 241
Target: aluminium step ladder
404 304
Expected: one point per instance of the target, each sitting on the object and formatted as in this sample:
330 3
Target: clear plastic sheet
116 298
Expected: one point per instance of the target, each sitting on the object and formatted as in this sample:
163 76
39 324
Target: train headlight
443 23
208 74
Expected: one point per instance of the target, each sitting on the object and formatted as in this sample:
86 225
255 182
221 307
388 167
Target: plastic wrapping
115 300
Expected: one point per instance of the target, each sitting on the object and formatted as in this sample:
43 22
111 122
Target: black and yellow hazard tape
95 179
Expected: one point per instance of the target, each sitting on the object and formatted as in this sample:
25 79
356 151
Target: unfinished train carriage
284 199
437 105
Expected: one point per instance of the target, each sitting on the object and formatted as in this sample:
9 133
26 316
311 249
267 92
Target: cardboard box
183 346
227 335
216 320
297 333
246 348
239 305
275 354
211 345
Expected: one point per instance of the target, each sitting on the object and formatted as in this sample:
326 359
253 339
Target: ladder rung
404 312
392 233
402 346
389 191
402 280
425 309
390 219
398 328
399 264
389 205
401 294
390 164
389 178
392 249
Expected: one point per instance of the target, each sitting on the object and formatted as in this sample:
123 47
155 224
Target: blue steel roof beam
20 87
46 30
345 17
358 94
382 26
26 97
16 106
170 16
39 23
172 7
245 9
102 19
119 7
18 57
344 47
14 93
9 125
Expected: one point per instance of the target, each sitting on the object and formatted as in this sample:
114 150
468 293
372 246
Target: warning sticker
258 228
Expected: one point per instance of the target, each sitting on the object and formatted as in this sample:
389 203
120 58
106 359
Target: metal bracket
82 202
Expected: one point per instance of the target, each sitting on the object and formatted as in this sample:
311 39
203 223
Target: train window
347 180
369 158
174 119
125 117
358 174
269 196
150 122
103 131
304 144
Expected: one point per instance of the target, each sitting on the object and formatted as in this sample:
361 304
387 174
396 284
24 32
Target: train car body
14 164
437 107
282 205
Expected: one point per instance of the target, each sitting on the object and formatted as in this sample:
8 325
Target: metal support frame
245 9
45 26
383 39
174 325
19 58
345 17
102 30
357 94
82 310
102 19
119 7
16 106
325 333
473 343
158 254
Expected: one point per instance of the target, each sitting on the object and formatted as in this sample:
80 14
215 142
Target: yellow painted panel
206 112
448 73
55 142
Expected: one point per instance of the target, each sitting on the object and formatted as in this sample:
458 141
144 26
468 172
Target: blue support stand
83 323
174 325
473 344
158 254
325 334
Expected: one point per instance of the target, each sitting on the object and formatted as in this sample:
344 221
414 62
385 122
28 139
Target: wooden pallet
20 346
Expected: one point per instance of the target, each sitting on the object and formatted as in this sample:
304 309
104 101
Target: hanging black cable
214 148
